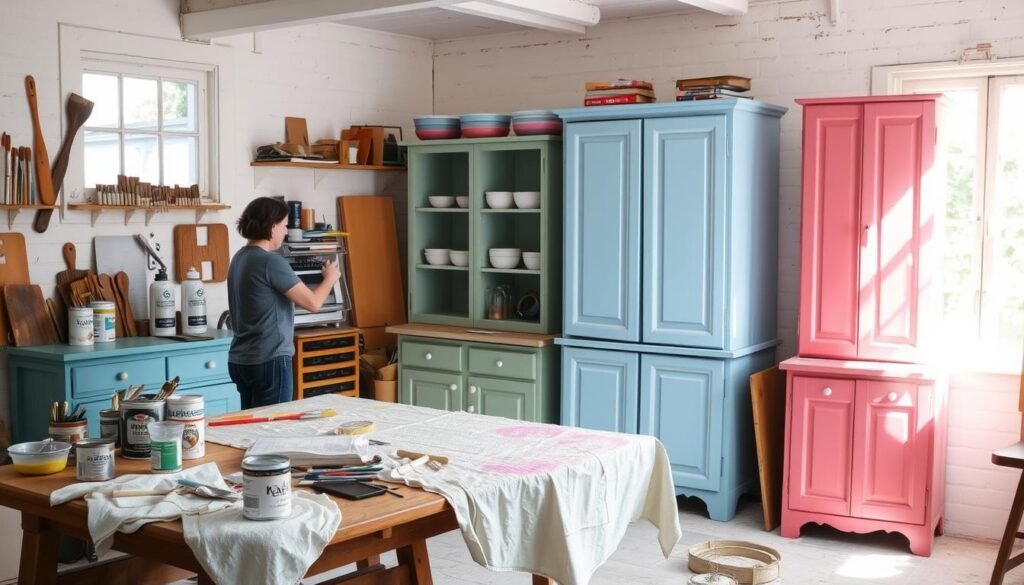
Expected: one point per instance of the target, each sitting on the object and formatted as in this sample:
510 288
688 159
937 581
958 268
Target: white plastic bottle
193 304
162 322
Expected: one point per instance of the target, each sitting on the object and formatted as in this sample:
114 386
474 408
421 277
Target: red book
611 100
619 84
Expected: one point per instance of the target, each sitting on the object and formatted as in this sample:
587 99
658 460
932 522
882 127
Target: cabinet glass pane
438 173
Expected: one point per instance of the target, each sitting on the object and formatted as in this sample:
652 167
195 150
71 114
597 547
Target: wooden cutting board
13 270
30 323
768 397
188 252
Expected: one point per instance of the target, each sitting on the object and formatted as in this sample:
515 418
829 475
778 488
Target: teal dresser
90 375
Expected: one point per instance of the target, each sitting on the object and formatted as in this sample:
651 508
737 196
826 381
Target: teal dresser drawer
431 355
197 367
504 363
105 378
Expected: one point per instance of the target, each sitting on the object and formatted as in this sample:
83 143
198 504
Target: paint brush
249 419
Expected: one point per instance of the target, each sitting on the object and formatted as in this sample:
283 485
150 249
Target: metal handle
453 387
122 376
892 396
211 365
827 391
429 356
499 363
471 408
472 389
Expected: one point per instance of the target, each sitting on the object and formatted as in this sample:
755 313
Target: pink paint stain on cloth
521 467
530 432
593 441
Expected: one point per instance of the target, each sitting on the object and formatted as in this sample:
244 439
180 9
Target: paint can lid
92 443
266 463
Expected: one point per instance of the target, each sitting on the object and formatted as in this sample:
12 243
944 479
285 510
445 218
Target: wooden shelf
131 210
328 166
471 334
14 210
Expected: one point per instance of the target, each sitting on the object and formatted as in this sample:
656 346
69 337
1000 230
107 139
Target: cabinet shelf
443 267
14 210
509 271
536 211
442 210
131 210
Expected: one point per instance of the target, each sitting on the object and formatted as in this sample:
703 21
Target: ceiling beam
724 7
570 10
561 16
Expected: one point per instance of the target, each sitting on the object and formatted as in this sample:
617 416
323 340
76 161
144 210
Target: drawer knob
827 391
499 363
211 365
122 376
429 356
453 387
472 389
471 409
892 396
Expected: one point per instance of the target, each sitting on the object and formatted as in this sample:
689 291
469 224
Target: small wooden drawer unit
326 362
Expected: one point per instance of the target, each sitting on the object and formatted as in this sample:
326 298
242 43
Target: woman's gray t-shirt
262 317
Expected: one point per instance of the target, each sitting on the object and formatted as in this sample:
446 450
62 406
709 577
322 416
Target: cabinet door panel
898 145
602 230
830 231
684 231
431 389
819 457
599 389
496 397
681 403
892 435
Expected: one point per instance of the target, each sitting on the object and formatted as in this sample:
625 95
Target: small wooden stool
1012 456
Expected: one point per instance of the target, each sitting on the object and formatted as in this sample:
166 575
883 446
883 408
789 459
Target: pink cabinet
865 448
869 239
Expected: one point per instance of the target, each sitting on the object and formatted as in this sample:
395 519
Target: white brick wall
789 49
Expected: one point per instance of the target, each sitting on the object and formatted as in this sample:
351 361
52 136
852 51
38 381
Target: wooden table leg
38 552
368 562
415 557
538 580
1009 535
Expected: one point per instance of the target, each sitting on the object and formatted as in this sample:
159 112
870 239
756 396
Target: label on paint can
110 425
80 326
95 460
189 409
267 487
69 432
165 455
104 321
135 418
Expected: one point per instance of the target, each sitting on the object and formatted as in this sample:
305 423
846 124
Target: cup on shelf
437 256
462 201
498 199
504 258
295 235
459 257
526 199
531 260
441 200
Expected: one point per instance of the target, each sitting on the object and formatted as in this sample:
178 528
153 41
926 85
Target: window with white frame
148 121
983 271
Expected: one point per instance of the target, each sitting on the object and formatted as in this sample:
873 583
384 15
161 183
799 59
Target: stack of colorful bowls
532 122
437 127
485 125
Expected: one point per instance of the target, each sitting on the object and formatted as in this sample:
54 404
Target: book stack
709 88
620 91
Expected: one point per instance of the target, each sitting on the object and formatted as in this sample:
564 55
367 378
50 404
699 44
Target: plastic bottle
162 322
193 304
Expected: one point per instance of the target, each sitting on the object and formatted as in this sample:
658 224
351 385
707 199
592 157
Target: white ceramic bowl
437 256
441 200
504 257
459 257
498 199
462 201
531 260
527 199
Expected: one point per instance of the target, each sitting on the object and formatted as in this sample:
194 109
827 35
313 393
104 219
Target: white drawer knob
122 376
892 396
827 391
429 356
453 387
211 365
471 409
499 363
472 389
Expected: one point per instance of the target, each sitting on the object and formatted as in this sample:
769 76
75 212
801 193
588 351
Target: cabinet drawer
105 378
198 366
503 363
432 355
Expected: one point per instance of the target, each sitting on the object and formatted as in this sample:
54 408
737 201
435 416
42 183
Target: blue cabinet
605 389
89 376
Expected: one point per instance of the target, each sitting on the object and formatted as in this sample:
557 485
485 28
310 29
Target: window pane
140 99
1005 294
102 158
179 100
102 91
142 157
181 160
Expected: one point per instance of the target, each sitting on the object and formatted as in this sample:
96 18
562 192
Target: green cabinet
446 294
497 379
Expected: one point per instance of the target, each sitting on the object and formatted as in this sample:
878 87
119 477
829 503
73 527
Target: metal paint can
110 425
80 326
189 409
69 432
135 418
104 321
294 214
95 460
266 487
165 446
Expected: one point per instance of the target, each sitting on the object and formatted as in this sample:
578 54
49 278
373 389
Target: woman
261 290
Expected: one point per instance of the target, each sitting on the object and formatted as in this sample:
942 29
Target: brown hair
259 217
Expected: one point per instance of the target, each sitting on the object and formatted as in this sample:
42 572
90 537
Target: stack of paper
321 450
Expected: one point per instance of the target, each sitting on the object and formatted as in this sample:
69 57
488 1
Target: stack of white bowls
437 256
504 258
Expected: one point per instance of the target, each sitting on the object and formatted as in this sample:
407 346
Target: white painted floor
821 556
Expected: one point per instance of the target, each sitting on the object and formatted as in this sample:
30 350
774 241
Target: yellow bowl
31 458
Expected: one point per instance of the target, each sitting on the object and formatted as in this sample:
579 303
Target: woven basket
746 562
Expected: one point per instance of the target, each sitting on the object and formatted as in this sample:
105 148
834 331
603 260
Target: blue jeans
263 384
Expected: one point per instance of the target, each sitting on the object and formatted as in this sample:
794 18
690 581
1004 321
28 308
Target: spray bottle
162 319
193 304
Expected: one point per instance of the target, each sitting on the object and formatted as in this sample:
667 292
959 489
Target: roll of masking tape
355 427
